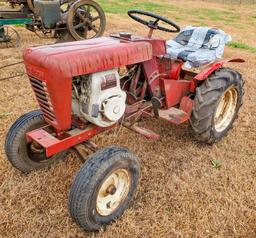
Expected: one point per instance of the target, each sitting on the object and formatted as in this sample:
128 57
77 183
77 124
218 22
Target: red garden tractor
86 87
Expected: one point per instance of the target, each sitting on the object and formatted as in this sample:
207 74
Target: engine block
98 98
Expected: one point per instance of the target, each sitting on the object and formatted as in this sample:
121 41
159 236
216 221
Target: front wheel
25 156
217 103
103 187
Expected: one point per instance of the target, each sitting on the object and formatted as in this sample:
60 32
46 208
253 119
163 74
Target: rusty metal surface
142 131
85 57
134 81
209 70
187 105
54 145
47 20
174 90
175 69
158 44
81 150
12 14
55 65
173 115
151 72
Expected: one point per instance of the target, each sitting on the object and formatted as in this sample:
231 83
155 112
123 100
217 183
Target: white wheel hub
226 109
113 192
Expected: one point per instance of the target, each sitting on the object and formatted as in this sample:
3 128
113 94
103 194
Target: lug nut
116 109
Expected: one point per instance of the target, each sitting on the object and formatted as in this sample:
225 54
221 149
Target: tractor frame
95 74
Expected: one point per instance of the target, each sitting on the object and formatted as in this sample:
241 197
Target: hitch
147 133
81 152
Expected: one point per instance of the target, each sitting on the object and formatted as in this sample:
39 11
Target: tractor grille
43 98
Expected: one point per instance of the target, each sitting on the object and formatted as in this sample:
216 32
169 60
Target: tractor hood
88 56
51 68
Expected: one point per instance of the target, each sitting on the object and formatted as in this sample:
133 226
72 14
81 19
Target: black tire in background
86 199
19 152
211 97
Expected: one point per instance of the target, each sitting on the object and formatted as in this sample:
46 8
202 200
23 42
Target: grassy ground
244 46
186 189
240 18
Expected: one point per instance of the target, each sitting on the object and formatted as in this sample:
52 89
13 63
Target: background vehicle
64 20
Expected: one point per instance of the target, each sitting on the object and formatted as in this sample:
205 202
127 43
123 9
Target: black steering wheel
153 24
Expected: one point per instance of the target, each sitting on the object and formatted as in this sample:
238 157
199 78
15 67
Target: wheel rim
226 109
36 153
11 37
86 21
113 192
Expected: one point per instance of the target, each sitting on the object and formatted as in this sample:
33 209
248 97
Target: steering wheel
153 24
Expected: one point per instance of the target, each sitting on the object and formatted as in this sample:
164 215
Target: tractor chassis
176 92
54 142
155 86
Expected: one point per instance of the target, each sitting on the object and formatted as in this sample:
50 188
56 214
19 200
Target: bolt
111 189
116 109
108 205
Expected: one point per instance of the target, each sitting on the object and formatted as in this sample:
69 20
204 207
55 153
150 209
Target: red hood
52 67
84 57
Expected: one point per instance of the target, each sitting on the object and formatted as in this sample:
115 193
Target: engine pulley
114 108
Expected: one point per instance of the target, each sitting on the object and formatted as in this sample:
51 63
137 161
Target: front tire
103 187
216 105
24 156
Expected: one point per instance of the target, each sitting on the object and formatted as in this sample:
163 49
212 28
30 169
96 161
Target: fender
209 70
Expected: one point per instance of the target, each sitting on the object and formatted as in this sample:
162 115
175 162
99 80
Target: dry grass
181 193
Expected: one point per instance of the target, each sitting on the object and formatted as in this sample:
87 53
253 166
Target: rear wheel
25 156
103 187
217 104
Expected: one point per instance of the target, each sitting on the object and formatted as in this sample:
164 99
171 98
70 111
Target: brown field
181 194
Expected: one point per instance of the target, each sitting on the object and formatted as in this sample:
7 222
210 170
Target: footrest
173 115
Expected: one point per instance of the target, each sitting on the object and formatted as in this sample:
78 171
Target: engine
98 98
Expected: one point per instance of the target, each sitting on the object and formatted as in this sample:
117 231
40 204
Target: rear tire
19 152
216 105
103 187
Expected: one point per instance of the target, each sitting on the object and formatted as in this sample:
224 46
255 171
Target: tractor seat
198 45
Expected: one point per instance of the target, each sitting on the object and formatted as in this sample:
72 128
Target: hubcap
226 109
36 152
113 192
